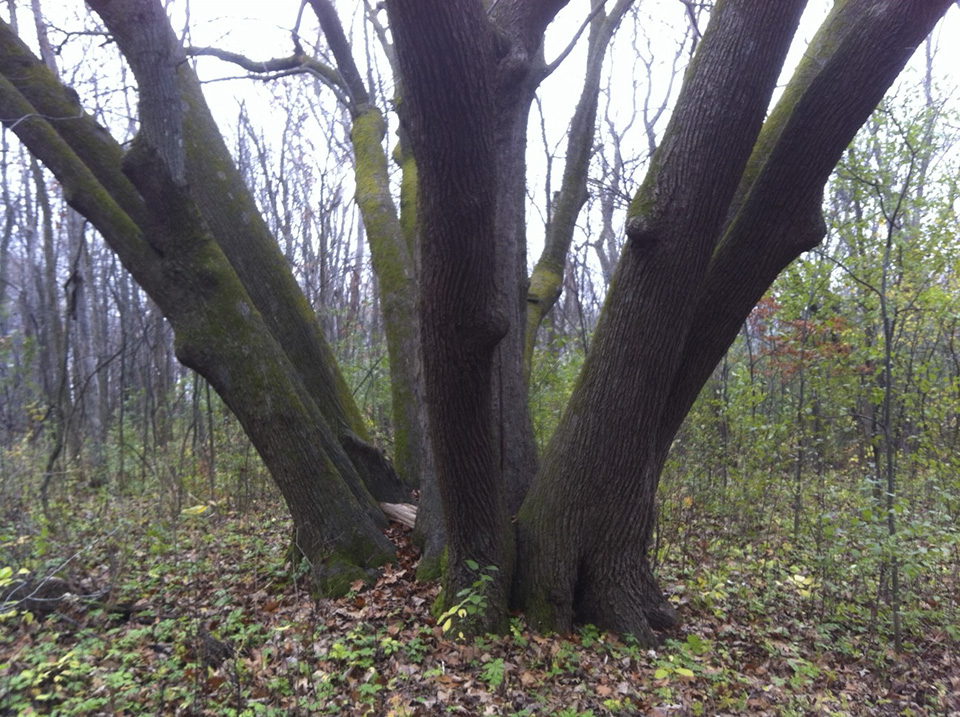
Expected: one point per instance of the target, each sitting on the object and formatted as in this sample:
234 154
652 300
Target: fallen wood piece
403 513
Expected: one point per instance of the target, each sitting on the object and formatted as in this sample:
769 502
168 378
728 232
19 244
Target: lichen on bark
393 264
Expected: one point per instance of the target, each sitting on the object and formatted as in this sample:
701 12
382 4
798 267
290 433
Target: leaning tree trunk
337 530
546 281
165 240
706 234
391 236
238 227
390 253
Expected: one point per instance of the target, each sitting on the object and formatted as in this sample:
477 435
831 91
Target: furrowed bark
448 114
219 333
851 62
586 524
239 229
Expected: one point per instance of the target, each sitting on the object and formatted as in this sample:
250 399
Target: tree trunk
161 236
254 377
238 227
448 113
390 251
7 233
706 235
546 281
516 454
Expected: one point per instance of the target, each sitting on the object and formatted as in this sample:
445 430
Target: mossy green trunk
546 281
164 238
392 259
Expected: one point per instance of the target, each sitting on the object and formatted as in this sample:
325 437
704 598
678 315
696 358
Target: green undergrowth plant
471 602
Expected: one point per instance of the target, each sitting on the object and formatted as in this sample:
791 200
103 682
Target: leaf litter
203 617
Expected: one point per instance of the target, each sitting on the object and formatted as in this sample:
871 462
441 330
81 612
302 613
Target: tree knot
641 237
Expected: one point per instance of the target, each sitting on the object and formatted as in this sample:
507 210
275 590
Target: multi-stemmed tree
731 196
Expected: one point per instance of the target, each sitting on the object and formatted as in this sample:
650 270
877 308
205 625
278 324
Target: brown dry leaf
528 679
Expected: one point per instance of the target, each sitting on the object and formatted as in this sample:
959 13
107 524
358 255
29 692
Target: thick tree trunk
234 350
776 213
728 201
230 212
586 525
687 280
448 113
518 72
429 532
516 453
162 238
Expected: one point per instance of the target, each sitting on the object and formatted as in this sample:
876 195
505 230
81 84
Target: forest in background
820 467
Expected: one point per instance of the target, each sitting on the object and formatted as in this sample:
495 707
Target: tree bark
586 525
728 201
230 212
162 238
448 113
706 235
776 214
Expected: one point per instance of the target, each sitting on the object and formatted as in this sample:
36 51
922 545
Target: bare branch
340 47
573 42
278 67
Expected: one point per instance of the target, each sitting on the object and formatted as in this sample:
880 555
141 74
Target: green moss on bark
239 228
334 575
393 264
408 200
546 284
432 567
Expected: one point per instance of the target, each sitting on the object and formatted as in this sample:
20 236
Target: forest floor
204 618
